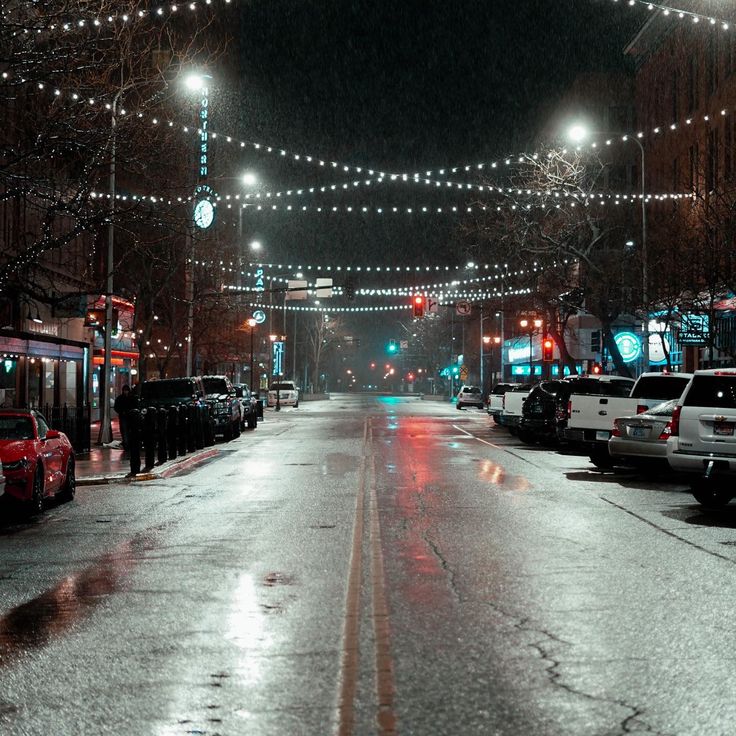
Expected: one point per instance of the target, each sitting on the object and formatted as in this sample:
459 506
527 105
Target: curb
177 466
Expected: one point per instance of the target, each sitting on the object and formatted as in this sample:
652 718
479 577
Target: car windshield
16 428
215 385
166 389
283 386
471 390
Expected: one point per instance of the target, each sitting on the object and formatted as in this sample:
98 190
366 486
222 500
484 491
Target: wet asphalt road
372 565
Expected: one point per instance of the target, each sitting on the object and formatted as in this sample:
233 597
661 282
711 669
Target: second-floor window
692 86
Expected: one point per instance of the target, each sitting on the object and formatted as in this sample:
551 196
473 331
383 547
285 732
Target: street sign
324 288
464 373
296 289
433 305
259 316
463 307
404 344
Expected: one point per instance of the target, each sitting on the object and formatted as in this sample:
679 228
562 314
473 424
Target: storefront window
49 372
8 375
68 383
35 370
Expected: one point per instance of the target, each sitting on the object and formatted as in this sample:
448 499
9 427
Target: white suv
283 393
702 439
470 396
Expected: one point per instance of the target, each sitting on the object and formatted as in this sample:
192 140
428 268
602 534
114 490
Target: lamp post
578 133
252 324
531 325
105 434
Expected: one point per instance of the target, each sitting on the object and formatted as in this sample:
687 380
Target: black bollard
149 436
134 441
208 428
161 435
182 430
172 428
191 428
199 425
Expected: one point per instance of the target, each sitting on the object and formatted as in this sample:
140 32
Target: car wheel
252 421
70 482
708 494
458 407
236 428
601 459
35 505
296 404
227 433
526 436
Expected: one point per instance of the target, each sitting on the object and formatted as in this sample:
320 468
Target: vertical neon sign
204 133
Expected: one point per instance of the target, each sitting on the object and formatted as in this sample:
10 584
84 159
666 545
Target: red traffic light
548 349
418 305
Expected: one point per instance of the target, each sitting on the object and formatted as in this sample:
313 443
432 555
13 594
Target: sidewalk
108 464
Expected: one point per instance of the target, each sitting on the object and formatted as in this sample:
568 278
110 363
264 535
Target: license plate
638 432
723 429
603 436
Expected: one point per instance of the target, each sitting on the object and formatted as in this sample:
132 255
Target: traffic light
392 347
418 305
548 349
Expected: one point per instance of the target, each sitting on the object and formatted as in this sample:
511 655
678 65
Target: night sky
404 85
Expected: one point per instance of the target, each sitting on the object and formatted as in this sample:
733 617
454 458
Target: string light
97 22
679 13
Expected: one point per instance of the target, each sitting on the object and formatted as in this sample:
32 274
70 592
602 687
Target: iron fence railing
73 421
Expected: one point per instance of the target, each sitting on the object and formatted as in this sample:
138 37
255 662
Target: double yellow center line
366 508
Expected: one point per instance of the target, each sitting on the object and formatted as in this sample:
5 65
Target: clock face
204 214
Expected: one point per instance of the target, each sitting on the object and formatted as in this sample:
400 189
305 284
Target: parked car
542 413
495 399
166 392
37 462
248 406
513 401
594 406
641 439
702 436
288 394
469 396
224 406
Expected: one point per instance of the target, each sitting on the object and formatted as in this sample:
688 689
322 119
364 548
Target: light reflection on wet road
497 588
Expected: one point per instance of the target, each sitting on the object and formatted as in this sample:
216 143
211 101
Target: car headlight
21 464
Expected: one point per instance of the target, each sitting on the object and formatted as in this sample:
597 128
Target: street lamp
252 324
579 133
531 325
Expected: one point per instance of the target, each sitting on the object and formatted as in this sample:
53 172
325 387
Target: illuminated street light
249 179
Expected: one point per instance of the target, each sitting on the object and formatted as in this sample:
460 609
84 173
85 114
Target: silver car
641 439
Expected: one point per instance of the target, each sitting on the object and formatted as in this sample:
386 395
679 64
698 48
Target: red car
38 462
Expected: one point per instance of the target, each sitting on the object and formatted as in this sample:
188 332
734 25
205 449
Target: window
712 58
693 177
711 172
712 392
692 86
727 149
675 95
42 426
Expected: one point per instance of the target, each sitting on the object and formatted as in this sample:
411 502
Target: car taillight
641 408
672 428
569 409
616 431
